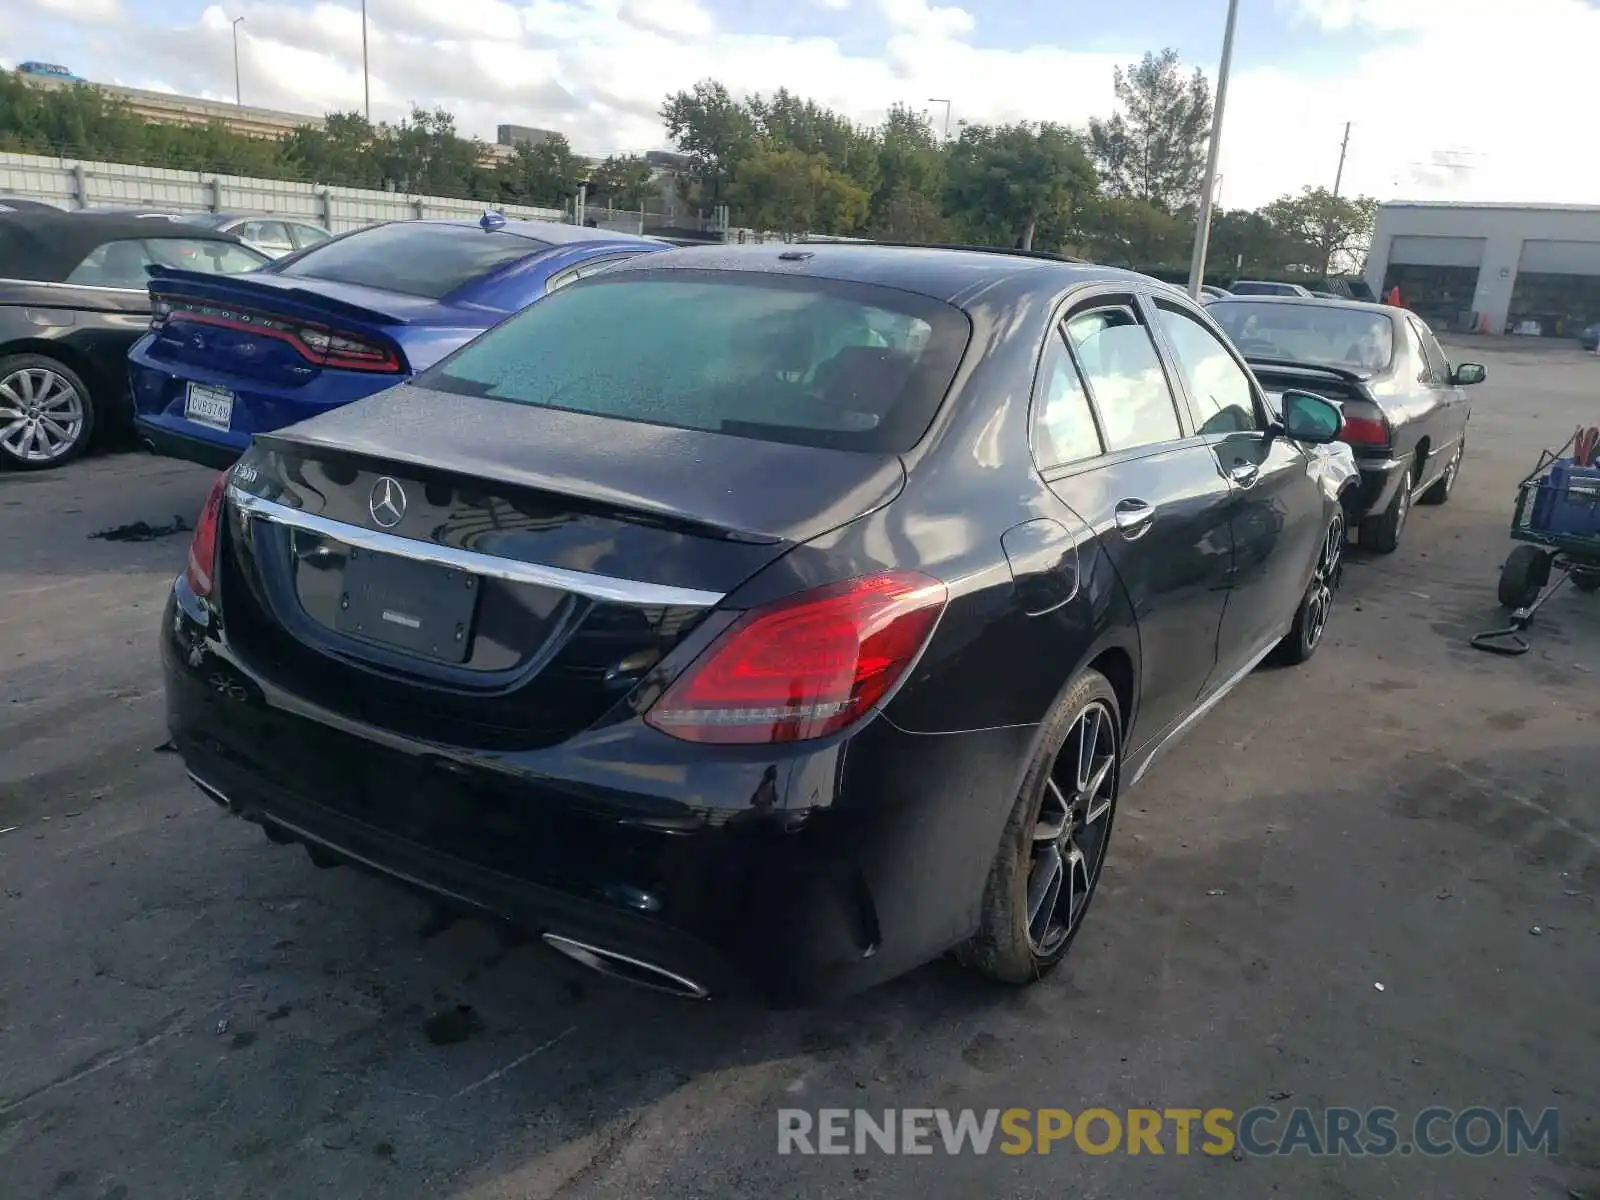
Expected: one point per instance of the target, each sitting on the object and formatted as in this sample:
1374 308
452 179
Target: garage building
1489 267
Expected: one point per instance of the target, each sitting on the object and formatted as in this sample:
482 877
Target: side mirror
1468 374
1311 418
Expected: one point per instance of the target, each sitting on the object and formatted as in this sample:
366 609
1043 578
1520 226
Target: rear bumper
1380 480
216 449
808 875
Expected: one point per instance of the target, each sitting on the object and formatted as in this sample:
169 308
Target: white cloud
84 10
919 18
835 5
1450 100
675 18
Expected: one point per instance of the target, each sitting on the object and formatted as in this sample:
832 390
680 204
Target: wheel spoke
1088 737
11 394
1053 814
1044 891
25 383
62 436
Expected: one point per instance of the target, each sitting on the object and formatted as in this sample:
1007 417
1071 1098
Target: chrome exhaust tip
211 790
629 970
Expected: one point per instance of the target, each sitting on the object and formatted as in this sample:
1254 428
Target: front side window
787 359
1125 378
308 235
271 235
1218 387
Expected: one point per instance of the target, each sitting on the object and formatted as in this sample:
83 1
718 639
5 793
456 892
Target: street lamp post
1202 232
238 95
946 103
366 85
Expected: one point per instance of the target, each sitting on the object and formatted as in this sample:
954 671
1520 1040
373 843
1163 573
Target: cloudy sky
1450 99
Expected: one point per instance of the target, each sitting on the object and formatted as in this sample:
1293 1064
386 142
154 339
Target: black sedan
73 300
772 616
1405 413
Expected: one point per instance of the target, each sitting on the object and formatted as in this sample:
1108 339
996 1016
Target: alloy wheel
41 415
1324 581
1072 829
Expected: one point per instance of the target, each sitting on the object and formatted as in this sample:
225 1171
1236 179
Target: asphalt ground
189 1011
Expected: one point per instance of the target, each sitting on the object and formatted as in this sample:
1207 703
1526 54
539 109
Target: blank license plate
211 406
417 607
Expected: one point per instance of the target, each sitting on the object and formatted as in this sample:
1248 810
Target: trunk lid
275 330
542 562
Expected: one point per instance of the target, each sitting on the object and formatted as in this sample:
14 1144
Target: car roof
555 233
48 246
1312 302
943 273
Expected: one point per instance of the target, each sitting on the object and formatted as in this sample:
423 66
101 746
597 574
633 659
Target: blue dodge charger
226 359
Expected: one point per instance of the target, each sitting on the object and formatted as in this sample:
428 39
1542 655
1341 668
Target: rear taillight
805 667
348 353
1364 424
202 571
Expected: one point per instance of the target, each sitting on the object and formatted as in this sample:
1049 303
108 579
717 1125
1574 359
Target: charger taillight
202 570
804 667
319 344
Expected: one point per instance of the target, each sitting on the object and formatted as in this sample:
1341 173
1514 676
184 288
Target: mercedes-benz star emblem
387 502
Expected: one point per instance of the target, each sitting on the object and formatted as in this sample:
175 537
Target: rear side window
590 266
1064 429
125 263
272 235
785 359
414 258
1125 378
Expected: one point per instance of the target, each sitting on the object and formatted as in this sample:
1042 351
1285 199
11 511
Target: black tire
1442 487
29 416
1381 534
1005 947
1311 618
1526 571
1586 581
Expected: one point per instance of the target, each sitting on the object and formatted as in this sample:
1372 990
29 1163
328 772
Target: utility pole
946 103
238 95
1202 233
366 84
1327 228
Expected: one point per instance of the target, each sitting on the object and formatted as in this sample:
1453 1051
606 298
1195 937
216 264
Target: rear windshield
413 258
783 359
1245 287
1311 333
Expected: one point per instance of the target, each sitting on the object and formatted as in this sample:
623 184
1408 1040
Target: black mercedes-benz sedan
1405 413
770 617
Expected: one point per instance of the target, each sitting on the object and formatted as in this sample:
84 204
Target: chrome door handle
1134 518
1244 473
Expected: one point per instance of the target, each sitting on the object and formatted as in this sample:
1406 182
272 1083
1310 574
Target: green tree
1154 148
1017 183
786 190
1124 232
344 152
1334 231
624 180
715 131
1244 244
424 155
787 120
910 177
545 174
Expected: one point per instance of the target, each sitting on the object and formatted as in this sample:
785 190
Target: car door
1278 506
1156 500
1446 421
